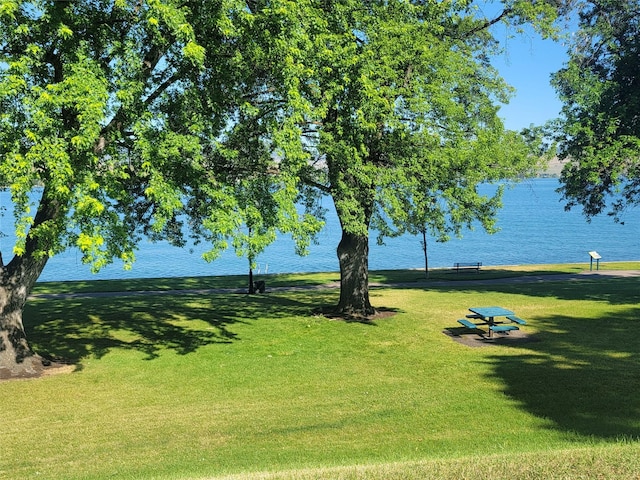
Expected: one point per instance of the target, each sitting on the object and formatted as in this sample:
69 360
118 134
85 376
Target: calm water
534 229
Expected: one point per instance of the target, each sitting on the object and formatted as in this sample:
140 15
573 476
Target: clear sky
527 65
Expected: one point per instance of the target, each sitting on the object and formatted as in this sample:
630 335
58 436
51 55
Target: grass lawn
195 386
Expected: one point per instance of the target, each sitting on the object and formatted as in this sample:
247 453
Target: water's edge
535 229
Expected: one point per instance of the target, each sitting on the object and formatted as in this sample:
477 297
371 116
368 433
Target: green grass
185 283
314 279
184 386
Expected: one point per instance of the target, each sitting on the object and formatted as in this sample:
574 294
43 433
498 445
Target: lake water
534 228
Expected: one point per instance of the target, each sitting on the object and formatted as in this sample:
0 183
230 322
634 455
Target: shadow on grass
583 375
231 282
611 290
449 274
72 329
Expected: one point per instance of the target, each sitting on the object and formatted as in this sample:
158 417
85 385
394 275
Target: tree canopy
599 128
403 119
119 118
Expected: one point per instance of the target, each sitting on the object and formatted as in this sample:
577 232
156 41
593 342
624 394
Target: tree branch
161 88
488 23
149 62
252 5
312 183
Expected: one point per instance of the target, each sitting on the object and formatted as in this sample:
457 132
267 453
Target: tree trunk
17 278
353 255
426 256
17 359
252 287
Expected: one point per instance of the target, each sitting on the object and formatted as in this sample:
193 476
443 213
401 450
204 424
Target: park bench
467 266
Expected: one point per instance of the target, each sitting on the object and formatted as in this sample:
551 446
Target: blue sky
527 65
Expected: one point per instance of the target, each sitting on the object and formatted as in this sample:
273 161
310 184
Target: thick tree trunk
17 359
353 255
17 278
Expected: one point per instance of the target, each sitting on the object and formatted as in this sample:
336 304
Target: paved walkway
563 277
559 277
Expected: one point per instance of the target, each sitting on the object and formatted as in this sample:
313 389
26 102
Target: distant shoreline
553 169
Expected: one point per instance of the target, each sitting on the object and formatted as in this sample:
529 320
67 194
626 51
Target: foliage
599 131
406 114
117 108
121 110
251 165
84 88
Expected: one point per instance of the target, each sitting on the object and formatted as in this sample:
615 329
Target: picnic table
488 316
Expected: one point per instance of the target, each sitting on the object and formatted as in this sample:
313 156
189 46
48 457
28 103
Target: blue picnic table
489 315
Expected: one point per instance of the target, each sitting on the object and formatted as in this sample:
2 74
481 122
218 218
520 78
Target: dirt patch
57 369
40 367
465 337
380 314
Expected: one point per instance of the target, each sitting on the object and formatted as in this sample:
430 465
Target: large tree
81 94
405 124
112 116
599 128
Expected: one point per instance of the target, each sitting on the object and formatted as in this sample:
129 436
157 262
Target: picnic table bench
517 320
502 328
468 324
467 266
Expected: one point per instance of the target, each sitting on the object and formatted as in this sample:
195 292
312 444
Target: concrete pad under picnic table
471 338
